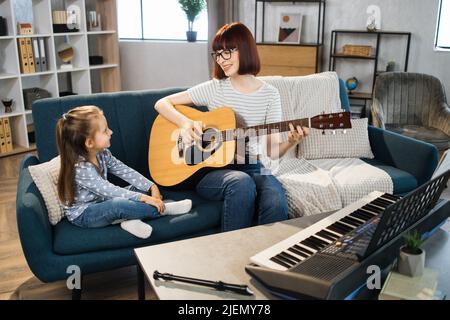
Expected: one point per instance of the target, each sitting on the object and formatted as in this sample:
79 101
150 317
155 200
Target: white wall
415 16
155 65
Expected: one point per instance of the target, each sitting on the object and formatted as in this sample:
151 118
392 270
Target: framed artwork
290 28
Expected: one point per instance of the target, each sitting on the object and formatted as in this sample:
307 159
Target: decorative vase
390 66
8 104
191 36
411 264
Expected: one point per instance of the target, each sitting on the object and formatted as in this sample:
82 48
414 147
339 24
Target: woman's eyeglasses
225 54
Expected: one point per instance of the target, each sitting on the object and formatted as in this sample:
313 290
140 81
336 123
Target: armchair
414 105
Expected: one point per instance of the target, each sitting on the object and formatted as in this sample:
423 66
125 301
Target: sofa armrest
441 118
35 231
416 157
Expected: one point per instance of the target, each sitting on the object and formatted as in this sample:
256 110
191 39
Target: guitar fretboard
263 129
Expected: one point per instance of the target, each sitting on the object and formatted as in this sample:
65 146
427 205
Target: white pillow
354 144
45 176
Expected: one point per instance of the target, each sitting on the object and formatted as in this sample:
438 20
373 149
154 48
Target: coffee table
221 256
224 256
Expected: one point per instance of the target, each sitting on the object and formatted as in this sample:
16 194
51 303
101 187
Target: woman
242 187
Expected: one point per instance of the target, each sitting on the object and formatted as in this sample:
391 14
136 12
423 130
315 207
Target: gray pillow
353 144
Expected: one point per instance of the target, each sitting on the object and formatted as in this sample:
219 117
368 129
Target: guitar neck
263 129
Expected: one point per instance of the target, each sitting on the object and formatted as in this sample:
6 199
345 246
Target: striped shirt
92 186
251 109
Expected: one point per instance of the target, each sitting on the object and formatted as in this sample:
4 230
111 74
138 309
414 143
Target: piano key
345 227
303 249
390 197
319 241
362 220
348 225
383 200
310 244
334 232
298 252
290 256
369 215
338 229
368 211
374 208
361 216
280 262
378 206
381 203
286 260
328 235
355 221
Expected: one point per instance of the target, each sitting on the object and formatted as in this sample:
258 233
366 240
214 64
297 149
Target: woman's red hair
237 35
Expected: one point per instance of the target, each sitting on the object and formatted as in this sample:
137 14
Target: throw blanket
316 186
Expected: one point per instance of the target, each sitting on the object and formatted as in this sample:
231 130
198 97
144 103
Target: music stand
404 213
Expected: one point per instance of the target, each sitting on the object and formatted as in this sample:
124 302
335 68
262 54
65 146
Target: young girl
89 199
242 187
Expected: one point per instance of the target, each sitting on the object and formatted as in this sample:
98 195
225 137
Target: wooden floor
16 279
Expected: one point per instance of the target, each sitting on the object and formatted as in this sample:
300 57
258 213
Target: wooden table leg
140 282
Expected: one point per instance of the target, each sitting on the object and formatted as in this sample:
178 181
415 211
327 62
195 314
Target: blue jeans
104 213
244 192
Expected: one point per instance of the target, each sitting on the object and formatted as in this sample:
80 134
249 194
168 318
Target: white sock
177 207
137 227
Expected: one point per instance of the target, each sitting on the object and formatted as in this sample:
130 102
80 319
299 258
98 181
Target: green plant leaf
192 8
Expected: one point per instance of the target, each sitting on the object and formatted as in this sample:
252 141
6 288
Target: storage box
32 94
357 50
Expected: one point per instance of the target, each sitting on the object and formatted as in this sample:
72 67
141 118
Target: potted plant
191 8
411 261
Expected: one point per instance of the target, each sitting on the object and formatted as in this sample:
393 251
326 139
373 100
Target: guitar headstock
332 121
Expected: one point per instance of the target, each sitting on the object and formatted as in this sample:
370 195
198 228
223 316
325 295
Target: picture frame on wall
290 28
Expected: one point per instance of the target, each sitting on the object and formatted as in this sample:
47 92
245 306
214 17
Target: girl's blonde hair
72 130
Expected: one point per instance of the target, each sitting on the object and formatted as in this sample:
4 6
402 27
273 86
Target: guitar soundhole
201 151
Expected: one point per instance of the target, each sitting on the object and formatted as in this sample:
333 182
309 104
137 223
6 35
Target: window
442 40
157 20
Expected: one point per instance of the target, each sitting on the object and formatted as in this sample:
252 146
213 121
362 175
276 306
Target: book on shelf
7 133
401 287
43 54
2 137
30 56
23 56
37 56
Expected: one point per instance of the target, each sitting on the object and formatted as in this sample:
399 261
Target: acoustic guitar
171 162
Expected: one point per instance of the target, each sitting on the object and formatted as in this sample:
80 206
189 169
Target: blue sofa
49 250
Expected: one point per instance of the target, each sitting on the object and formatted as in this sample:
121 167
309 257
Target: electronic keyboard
311 240
331 258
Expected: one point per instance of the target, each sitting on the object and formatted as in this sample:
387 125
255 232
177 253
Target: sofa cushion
206 215
45 176
403 181
354 144
427 134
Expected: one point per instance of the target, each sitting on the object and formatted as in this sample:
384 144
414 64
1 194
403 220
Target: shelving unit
370 36
81 79
290 59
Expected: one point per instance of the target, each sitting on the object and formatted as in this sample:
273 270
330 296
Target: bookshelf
83 78
292 59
